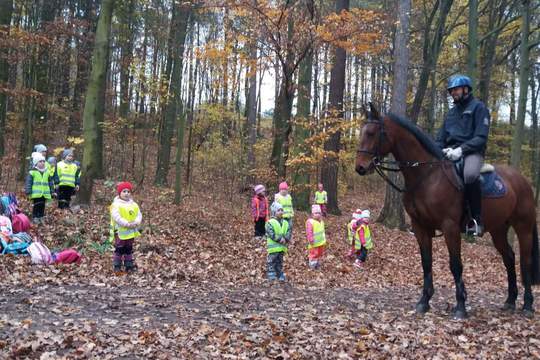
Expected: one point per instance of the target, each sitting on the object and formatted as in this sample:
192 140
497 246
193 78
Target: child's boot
282 277
130 266
359 264
117 265
314 264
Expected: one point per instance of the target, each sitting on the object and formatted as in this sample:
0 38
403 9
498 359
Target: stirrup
475 230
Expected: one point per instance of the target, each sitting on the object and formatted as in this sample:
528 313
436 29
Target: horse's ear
374 111
365 111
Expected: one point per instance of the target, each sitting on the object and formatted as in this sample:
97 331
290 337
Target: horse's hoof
422 308
528 313
459 314
509 307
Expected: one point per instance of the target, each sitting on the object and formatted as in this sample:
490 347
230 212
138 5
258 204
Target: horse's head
374 143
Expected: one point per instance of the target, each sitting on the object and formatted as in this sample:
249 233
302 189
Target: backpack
16 248
40 254
67 256
20 223
9 204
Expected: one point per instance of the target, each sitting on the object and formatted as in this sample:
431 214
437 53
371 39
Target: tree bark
517 141
6 9
177 38
94 107
332 146
252 106
392 214
177 111
431 51
301 132
472 54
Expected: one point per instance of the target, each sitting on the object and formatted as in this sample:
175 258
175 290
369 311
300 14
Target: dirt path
281 320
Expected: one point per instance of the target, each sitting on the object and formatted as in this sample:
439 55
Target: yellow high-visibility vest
128 212
280 231
319 236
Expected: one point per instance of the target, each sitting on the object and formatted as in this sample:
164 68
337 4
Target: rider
464 134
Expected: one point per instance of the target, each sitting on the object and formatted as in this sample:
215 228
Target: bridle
382 165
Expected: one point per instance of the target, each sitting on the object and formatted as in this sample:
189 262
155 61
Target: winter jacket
29 182
272 235
466 125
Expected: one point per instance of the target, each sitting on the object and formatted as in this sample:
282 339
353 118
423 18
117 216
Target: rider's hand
454 154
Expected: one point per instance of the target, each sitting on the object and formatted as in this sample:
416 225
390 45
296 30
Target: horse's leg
524 233
425 242
500 241
452 237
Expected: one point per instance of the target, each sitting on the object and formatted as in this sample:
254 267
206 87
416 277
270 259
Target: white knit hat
356 214
315 209
37 157
365 214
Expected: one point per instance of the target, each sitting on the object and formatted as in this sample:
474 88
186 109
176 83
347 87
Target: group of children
275 223
47 179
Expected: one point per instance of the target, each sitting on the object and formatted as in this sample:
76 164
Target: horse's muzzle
361 170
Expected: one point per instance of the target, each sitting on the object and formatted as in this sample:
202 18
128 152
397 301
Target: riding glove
454 154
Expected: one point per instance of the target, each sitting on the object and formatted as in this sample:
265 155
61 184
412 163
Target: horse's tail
535 262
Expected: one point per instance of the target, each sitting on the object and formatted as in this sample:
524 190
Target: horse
434 201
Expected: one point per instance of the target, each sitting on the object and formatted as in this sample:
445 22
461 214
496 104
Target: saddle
491 185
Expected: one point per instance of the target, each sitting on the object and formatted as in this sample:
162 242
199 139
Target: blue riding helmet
459 80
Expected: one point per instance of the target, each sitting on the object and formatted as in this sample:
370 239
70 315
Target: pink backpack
67 256
20 223
40 253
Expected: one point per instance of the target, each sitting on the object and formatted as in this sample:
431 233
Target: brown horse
434 202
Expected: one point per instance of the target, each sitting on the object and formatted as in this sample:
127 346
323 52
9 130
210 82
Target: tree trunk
6 9
431 51
472 54
392 214
94 106
177 38
517 141
301 132
252 107
177 111
330 164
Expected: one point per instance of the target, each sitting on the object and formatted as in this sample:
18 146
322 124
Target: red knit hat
124 185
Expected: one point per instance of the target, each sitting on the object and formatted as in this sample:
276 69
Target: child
259 210
125 217
66 178
316 237
51 162
38 149
321 199
362 239
284 198
351 232
278 235
38 187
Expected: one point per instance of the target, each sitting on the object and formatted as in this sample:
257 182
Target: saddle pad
493 185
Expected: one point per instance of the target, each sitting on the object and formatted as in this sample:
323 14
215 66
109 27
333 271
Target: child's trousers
315 256
260 227
38 210
64 196
123 249
274 265
361 254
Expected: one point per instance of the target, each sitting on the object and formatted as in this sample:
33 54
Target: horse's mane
425 140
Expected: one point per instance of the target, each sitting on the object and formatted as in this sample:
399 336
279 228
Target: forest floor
201 292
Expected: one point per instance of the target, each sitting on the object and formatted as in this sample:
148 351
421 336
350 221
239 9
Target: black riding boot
473 196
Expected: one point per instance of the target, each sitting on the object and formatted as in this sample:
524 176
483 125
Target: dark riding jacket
466 125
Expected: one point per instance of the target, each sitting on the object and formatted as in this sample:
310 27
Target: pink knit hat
283 186
315 209
259 189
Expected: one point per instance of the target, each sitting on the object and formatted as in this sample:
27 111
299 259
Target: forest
195 103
